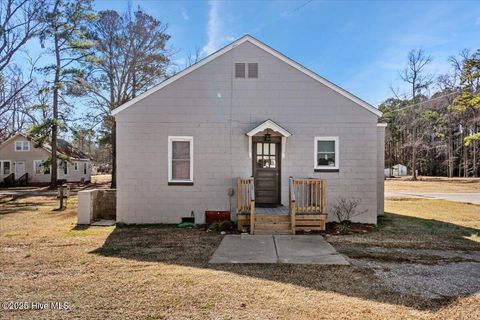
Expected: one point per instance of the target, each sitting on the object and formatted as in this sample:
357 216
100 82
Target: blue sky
359 45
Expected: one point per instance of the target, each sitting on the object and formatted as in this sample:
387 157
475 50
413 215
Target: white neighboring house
19 155
398 170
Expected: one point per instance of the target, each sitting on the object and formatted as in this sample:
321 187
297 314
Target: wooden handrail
246 199
308 195
251 187
292 204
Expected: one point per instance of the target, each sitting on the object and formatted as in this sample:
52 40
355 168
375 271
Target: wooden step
271 232
271 218
273 226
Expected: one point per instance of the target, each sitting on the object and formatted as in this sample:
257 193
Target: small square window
239 70
253 70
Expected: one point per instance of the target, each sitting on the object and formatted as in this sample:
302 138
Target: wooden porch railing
306 196
23 180
246 199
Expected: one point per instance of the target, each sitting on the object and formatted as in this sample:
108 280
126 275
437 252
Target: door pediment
264 127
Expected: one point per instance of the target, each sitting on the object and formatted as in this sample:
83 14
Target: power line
297 8
429 100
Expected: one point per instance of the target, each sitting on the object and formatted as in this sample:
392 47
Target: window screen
326 153
181 160
253 70
6 167
239 70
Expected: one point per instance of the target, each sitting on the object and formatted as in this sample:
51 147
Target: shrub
345 209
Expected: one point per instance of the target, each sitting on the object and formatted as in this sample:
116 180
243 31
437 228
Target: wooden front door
266 171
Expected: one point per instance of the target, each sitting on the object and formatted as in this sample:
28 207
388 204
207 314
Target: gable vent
239 70
253 70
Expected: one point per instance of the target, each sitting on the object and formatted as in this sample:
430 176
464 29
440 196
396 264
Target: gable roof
63 146
269 124
263 46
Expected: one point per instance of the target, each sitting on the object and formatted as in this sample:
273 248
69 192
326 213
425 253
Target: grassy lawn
454 185
163 272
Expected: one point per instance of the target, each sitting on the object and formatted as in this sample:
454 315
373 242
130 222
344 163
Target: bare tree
415 75
193 58
19 22
131 57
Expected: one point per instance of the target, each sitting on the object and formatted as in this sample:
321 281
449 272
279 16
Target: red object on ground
216 216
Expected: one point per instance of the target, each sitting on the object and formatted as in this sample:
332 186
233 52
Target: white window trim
171 139
2 166
22 141
61 169
35 171
337 154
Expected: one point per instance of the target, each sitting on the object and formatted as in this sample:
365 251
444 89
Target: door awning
270 125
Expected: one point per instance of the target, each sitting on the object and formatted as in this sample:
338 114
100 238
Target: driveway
470 197
301 249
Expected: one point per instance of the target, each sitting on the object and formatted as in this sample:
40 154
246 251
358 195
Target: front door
19 169
266 171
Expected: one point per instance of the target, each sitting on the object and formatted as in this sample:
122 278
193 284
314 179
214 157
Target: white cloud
185 15
215 28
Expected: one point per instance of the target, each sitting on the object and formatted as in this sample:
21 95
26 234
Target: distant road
467 197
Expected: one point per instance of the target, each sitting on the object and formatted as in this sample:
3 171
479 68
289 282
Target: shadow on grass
193 248
8 206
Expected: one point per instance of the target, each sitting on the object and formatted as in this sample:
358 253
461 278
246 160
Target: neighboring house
246 110
398 170
19 155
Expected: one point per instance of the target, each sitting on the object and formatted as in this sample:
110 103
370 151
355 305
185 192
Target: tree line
434 128
98 60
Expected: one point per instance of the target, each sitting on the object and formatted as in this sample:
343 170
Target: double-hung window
326 153
40 167
22 146
5 167
180 160
63 166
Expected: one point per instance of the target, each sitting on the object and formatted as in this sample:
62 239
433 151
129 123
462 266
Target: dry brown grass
433 185
163 272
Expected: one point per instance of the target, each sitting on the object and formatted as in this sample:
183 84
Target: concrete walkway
301 249
469 197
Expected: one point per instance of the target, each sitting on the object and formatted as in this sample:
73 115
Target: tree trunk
414 154
474 154
56 83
